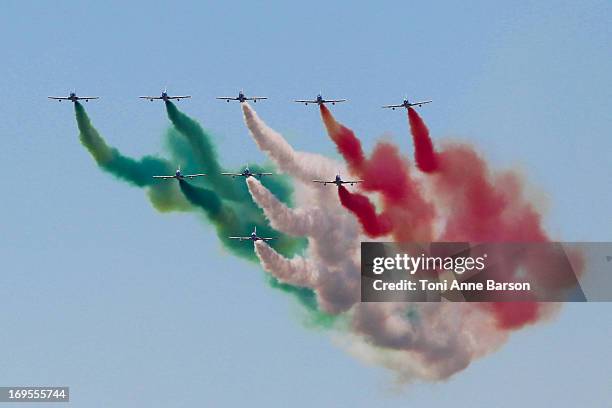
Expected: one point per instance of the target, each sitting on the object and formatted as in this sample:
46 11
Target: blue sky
131 308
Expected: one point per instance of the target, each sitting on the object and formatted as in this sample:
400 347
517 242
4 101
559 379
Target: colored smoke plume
232 212
424 153
465 200
458 198
373 225
387 173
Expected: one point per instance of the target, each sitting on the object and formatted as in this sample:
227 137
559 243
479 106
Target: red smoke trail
514 315
482 208
424 153
385 172
360 205
347 143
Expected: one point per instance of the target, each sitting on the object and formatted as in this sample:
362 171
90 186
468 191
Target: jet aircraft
406 104
164 97
242 97
246 173
338 181
319 100
179 175
253 237
72 97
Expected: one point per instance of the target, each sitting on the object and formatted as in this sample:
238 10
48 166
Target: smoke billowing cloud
449 193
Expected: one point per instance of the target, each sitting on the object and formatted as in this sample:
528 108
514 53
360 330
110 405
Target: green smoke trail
233 216
231 219
163 196
200 141
196 147
204 153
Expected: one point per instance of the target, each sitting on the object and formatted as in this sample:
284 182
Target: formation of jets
179 175
319 100
253 237
338 181
246 173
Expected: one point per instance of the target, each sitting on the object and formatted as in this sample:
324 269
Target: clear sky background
132 308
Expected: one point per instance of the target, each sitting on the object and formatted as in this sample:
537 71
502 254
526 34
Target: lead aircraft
72 97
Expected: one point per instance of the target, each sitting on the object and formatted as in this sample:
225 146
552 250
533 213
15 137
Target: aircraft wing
304 101
163 177
231 174
88 97
263 174
322 181
351 182
59 98
419 103
150 97
231 98
240 238
194 175
256 98
179 97
334 100
393 106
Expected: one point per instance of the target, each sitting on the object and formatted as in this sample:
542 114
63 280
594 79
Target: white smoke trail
301 165
333 241
296 222
334 234
297 271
